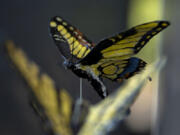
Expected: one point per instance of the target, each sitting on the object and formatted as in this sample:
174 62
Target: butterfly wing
69 40
120 70
112 57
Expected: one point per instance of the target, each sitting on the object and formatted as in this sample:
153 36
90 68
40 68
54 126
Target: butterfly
112 58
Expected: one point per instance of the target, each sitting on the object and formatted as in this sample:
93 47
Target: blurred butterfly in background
111 58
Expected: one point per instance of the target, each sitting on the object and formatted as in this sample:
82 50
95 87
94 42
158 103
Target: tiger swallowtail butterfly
112 58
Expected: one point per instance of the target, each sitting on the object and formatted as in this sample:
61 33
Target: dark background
26 23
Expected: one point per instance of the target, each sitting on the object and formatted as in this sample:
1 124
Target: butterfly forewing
69 40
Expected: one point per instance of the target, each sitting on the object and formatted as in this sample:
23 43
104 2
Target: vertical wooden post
142 11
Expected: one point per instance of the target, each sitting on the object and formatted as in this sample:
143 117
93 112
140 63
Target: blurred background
26 23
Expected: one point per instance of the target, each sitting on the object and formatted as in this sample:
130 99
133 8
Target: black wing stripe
162 25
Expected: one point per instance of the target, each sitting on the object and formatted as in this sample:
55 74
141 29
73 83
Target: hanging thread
80 90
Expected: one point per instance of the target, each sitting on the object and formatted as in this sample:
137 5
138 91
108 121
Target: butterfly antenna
81 90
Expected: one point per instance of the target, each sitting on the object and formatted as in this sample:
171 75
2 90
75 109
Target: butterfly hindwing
120 70
69 40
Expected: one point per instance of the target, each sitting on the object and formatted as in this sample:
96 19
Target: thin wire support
81 98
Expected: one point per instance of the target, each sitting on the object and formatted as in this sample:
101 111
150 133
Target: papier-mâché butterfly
111 58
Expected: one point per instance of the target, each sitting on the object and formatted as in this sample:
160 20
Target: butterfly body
91 74
112 58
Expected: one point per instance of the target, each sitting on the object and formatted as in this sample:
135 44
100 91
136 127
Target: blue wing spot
132 67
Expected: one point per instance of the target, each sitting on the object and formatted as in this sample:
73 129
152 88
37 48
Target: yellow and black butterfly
111 58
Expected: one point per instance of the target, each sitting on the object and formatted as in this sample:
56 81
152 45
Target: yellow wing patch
131 41
110 69
53 24
147 26
117 52
134 38
78 44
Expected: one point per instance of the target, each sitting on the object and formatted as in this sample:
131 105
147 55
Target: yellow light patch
143 42
75 44
117 47
80 55
58 19
109 70
112 39
80 37
116 58
71 47
122 65
68 35
64 23
95 66
164 24
119 36
121 62
87 51
126 45
63 32
153 33
149 25
120 70
137 36
83 40
124 57
118 53
84 67
71 28
128 40
58 39
53 24
112 77
138 48
96 72
159 29
60 27
71 40
75 32
106 64
76 50
148 37
144 30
